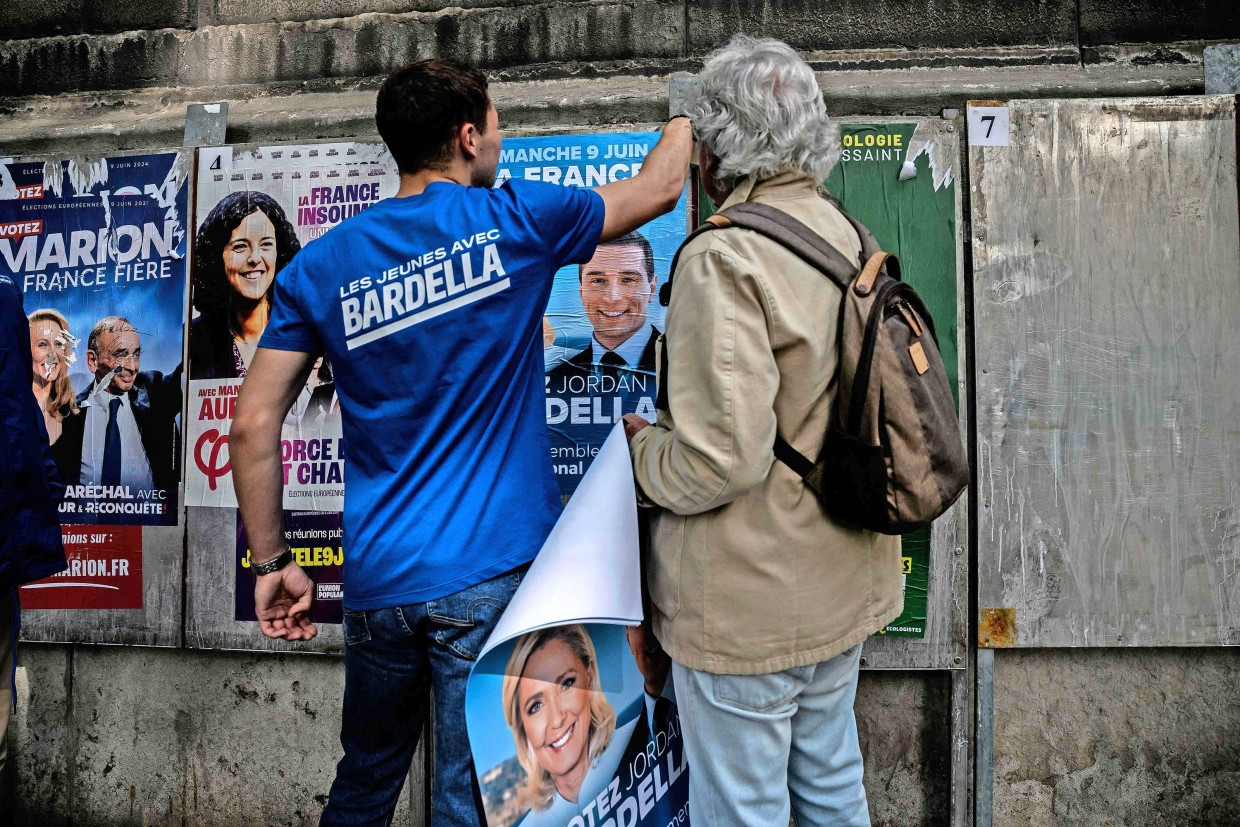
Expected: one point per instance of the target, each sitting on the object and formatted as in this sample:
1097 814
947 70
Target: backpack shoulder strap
713 223
869 244
823 256
814 250
782 228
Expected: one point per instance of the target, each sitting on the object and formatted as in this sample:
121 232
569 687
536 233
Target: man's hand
631 202
282 603
632 424
275 378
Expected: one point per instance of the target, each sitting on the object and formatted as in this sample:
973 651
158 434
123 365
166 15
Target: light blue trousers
762 745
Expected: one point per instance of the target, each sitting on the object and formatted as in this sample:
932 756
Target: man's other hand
282 603
632 424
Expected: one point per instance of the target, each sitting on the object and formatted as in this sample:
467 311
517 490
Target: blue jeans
390 655
759 745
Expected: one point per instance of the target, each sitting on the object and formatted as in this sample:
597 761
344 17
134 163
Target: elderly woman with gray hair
761 600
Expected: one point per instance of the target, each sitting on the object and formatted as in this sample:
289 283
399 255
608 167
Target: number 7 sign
988 126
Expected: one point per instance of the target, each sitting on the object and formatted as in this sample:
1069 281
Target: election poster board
572 720
256 207
902 186
105 571
603 317
99 249
899 179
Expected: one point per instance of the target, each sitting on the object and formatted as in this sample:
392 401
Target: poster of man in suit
99 249
604 317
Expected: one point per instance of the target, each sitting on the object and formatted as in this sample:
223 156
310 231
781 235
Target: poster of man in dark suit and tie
614 373
603 318
122 442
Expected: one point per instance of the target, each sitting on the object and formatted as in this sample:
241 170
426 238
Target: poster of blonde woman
571 710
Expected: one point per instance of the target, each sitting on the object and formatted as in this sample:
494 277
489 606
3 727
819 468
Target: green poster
914 218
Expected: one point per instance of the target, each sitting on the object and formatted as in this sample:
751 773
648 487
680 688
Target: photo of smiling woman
564 728
51 354
242 244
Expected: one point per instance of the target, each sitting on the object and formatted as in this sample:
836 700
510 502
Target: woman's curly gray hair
759 109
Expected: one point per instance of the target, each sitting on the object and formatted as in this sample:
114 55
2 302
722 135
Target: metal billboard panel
900 177
1107 290
314 187
111 240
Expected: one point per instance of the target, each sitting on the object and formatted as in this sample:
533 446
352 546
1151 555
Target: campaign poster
256 208
603 317
896 179
315 540
105 571
532 730
571 708
98 247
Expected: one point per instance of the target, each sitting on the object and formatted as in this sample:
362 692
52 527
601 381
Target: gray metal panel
985 740
1222 68
678 94
1107 283
946 642
205 124
210 592
961 730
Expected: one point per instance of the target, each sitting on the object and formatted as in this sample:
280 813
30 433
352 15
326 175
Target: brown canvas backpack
892 459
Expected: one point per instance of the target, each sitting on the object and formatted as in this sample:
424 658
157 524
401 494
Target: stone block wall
61 46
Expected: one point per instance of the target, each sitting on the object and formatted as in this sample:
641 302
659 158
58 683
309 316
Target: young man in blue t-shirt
429 306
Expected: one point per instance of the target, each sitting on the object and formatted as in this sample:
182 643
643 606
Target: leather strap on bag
793 235
869 273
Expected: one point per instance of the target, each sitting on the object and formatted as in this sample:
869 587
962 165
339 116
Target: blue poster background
112 241
583 399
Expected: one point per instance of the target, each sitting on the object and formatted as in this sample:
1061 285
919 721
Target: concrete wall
129 736
135 736
1141 738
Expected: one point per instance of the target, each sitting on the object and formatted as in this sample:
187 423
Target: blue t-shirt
430 310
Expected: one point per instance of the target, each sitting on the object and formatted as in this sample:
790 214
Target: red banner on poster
105 571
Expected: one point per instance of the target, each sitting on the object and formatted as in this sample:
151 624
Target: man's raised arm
282 598
654 190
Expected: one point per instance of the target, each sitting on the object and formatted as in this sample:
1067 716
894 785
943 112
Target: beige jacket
746 574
